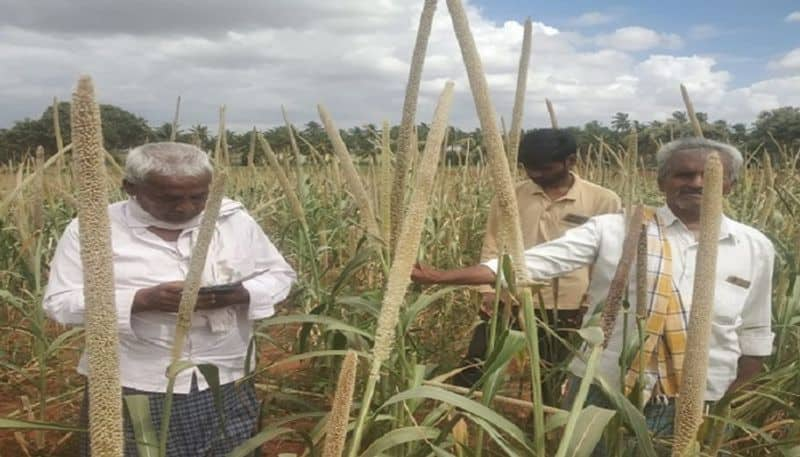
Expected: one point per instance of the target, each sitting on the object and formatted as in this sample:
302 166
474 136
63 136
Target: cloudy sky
592 59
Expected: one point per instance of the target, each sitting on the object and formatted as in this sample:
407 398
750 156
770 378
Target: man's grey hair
665 153
166 159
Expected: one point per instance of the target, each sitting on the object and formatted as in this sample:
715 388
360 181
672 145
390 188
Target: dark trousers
551 350
659 417
194 429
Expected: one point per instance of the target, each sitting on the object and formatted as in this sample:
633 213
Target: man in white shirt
741 334
152 235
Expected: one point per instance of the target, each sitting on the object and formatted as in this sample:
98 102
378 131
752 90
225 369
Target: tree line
771 130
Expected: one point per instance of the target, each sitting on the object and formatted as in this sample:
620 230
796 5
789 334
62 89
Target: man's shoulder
233 210
234 215
749 234
597 192
524 186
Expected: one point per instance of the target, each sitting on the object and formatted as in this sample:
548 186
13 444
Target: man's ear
571 160
129 187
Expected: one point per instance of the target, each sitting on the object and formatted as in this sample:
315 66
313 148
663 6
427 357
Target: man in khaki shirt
551 202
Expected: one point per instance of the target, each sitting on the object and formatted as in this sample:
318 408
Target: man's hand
221 299
487 303
749 367
166 297
423 274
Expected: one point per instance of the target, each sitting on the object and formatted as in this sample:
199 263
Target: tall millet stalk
689 406
173 132
251 151
385 184
39 192
519 97
339 417
698 130
506 200
294 202
59 182
298 158
552 113
641 305
619 283
221 148
197 263
407 136
351 175
105 393
404 258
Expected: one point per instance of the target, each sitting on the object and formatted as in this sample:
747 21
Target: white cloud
784 91
661 76
353 57
794 16
762 95
790 61
637 38
592 18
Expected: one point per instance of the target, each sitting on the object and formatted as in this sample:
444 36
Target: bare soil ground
66 410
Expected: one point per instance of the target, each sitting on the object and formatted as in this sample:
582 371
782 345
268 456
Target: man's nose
697 181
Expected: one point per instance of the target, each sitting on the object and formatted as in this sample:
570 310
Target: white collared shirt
141 259
741 322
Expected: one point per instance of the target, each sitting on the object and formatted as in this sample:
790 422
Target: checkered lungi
194 426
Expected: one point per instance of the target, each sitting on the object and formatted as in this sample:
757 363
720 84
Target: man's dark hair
542 146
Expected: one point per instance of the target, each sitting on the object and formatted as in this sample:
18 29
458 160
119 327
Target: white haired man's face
173 199
682 184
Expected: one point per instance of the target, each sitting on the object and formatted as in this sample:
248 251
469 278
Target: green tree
593 130
199 132
781 125
121 130
621 122
161 133
680 116
315 134
23 138
738 133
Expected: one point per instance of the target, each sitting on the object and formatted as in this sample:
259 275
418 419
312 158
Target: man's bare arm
470 276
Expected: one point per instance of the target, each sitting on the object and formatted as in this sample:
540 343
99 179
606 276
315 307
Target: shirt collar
227 208
572 194
668 218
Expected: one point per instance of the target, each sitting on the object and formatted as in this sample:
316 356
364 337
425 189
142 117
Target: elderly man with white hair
152 235
741 334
